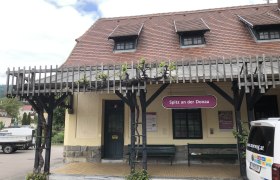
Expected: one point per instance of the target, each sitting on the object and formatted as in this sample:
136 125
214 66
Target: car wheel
8 149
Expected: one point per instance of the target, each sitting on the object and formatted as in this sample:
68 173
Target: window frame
187 123
193 37
125 43
269 34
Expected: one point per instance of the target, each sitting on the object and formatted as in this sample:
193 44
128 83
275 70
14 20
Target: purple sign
185 102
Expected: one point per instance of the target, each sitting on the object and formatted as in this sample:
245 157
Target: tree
26 119
2 91
58 119
58 125
11 106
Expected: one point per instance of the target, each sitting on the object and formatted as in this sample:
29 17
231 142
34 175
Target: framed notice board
225 120
151 121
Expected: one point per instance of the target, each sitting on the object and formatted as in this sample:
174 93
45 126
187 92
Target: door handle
115 137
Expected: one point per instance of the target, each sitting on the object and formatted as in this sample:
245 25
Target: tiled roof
228 38
126 30
190 25
260 19
27 108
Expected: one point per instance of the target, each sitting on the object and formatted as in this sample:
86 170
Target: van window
261 140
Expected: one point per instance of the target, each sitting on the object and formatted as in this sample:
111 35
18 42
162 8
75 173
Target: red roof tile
158 40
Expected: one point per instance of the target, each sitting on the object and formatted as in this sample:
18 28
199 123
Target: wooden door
114 129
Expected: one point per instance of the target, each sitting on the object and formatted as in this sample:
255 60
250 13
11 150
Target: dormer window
124 45
126 37
192 39
263 27
191 32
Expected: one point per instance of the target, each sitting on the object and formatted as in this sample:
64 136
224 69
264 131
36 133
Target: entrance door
114 129
266 107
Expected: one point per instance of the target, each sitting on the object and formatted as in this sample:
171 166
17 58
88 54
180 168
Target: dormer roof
127 30
257 20
194 25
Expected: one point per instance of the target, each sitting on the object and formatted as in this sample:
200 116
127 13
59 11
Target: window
268 35
187 124
125 45
190 40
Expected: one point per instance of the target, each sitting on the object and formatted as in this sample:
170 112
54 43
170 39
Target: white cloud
35 32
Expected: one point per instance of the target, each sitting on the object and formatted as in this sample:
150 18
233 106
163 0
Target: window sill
194 46
266 41
124 51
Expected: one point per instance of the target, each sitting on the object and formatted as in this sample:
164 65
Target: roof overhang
191 26
126 31
260 20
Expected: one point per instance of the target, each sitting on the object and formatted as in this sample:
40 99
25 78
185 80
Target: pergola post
38 139
41 104
132 98
38 143
130 101
144 128
238 95
49 136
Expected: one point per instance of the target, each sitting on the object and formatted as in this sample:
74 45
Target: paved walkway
157 171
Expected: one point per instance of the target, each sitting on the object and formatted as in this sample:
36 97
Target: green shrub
58 137
138 175
36 176
243 138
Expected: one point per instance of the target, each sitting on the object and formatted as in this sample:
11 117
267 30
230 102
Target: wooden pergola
48 87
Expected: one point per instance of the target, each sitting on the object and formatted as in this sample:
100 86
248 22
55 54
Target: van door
259 153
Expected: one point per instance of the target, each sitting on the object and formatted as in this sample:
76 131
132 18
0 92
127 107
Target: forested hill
2 90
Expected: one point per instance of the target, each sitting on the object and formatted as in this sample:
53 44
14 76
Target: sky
43 32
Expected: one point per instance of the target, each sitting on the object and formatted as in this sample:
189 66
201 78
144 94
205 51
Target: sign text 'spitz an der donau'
184 102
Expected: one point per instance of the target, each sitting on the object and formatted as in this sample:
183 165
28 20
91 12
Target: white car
263 150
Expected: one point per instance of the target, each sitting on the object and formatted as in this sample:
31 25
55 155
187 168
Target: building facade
196 36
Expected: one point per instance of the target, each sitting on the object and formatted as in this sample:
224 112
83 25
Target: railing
252 72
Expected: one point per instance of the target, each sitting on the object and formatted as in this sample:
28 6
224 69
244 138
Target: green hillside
2 91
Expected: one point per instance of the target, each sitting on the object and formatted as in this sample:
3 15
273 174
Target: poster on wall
225 120
151 118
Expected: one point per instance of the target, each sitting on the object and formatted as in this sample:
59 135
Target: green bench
199 151
156 150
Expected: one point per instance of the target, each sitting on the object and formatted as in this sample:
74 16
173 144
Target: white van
263 150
